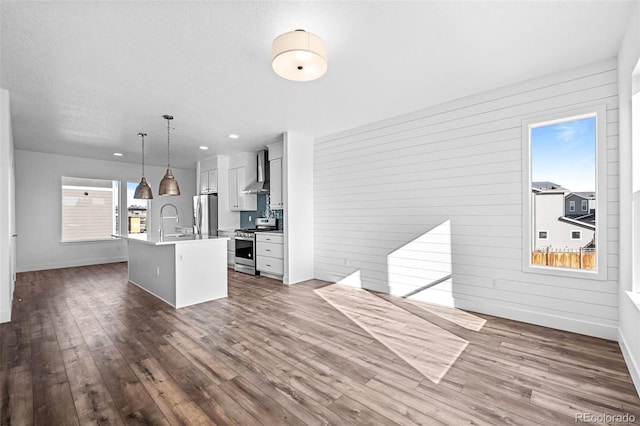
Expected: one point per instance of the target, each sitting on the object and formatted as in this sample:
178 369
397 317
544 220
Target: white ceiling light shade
299 56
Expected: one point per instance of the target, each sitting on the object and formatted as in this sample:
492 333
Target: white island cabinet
181 271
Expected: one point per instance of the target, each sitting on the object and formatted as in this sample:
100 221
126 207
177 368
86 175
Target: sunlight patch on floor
457 316
423 345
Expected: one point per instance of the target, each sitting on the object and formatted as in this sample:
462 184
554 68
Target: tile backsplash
247 219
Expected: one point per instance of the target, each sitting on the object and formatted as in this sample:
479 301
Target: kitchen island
180 270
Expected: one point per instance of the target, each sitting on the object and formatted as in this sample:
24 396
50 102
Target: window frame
572 206
553 117
584 205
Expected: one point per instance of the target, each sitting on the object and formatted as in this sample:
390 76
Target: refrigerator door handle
200 215
196 214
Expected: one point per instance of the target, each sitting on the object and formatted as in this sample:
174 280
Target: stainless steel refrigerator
205 214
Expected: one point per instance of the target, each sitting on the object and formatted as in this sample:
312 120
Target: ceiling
86 77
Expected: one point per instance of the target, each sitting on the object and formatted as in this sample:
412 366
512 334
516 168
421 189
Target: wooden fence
576 259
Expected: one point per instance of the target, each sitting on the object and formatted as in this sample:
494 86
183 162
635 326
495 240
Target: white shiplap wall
435 197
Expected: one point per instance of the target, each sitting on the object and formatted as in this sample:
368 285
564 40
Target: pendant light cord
168 142
142 155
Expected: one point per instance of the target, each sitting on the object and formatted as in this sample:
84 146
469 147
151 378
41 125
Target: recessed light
204 148
117 154
233 136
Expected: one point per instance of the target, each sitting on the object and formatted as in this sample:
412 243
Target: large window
564 161
137 219
89 209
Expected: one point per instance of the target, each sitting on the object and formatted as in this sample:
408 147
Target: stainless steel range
246 245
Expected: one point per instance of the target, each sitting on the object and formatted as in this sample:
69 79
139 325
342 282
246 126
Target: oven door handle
244 238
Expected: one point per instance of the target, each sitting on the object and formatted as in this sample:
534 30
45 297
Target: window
137 222
565 154
89 209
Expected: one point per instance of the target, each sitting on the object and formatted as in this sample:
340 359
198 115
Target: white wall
38 207
629 337
434 198
7 217
297 183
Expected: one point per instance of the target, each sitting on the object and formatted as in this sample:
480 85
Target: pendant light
143 190
168 184
299 56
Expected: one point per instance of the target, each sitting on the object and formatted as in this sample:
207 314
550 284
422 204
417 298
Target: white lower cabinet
270 253
231 246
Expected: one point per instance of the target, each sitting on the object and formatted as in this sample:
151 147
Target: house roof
547 186
585 195
587 221
85 77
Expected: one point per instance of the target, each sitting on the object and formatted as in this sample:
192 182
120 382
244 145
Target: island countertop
154 239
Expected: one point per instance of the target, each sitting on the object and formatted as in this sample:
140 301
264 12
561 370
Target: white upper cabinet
209 181
276 201
276 198
238 200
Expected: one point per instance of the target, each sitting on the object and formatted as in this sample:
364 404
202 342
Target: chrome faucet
162 218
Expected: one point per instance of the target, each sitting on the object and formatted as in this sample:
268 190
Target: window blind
88 209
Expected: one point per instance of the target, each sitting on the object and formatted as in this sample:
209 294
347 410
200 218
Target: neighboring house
137 219
547 186
552 227
579 204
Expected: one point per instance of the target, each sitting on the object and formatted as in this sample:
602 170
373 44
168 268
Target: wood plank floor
85 347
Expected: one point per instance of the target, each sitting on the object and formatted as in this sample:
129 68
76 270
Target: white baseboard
272 276
69 264
632 365
604 331
5 316
573 325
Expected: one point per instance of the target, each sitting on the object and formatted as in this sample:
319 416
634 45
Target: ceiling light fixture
117 154
204 148
143 190
168 184
233 136
299 56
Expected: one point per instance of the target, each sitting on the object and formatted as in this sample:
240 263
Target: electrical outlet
346 261
158 271
494 282
249 218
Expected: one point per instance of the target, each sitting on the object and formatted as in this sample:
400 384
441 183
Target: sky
131 189
565 153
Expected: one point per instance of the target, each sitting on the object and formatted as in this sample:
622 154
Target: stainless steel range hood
261 186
